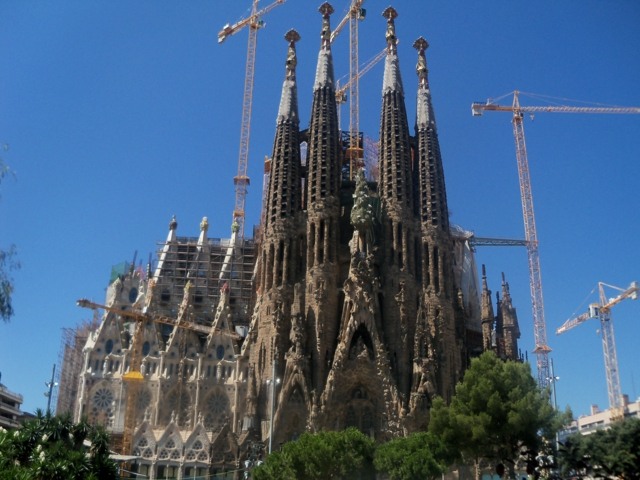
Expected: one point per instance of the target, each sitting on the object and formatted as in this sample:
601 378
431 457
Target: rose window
103 398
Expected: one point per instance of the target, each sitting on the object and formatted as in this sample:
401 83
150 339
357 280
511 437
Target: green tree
614 452
419 456
8 263
53 448
321 456
497 412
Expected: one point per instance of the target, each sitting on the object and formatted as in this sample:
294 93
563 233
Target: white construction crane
241 180
602 311
355 151
541 349
341 90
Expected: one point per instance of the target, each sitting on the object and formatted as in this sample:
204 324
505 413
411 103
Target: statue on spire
390 14
292 36
421 68
326 10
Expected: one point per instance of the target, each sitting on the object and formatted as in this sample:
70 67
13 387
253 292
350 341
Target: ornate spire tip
292 36
326 9
421 44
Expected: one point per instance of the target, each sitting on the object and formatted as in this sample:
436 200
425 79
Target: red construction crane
241 180
541 349
602 311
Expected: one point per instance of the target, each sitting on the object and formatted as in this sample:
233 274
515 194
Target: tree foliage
321 456
497 411
416 457
8 263
611 453
53 448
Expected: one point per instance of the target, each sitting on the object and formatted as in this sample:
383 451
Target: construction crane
475 241
133 377
602 311
541 349
355 151
241 180
341 91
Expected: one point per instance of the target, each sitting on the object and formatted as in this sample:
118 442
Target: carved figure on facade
362 217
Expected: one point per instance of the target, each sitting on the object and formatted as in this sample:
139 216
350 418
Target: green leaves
416 457
614 452
496 409
8 263
51 447
320 456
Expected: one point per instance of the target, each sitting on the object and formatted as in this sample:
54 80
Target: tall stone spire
443 313
280 257
432 192
396 198
324 154
324 164
284 196
395 150
486 315
509 324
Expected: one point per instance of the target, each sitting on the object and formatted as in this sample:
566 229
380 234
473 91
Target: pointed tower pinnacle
204 227
289 99
486 314
324 167
324 154
510 327
391 14
324 70
432 192
392 79
283 193
171 240
395 151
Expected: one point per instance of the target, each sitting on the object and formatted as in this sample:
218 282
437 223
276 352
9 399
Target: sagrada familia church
355 305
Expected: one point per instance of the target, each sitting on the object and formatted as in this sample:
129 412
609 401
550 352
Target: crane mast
355 152
541 348
602 311
241 180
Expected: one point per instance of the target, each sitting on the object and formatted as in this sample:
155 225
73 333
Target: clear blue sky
119 114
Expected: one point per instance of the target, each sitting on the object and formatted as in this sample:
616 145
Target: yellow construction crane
241 180
541 349
602 311
133 377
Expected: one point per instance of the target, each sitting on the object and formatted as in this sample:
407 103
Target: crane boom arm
140 316
573 322
631 292
364 68
477 108
229 30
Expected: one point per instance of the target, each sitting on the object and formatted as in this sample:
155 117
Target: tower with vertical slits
359 317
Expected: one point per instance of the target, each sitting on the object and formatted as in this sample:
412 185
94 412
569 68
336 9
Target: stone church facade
355 306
